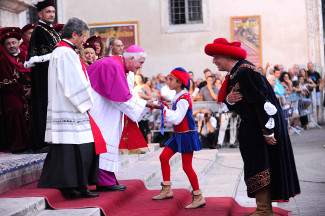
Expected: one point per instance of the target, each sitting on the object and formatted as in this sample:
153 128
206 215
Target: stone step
27 206
222 178
71 212
146 168
31 206
202 162
21 169
17 170
126 160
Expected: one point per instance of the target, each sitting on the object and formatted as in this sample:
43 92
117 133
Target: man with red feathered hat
15 90
269 167
41 44
112 98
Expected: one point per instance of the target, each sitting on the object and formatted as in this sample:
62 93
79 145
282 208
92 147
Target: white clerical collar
41 21
179 94
69 42
16 54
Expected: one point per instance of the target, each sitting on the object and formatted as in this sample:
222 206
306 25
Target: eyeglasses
120 46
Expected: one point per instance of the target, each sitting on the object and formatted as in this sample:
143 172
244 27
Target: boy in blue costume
185 139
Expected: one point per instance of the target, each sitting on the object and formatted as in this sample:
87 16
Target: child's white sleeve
176 116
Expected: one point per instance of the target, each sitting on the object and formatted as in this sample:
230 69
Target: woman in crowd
154 91
141 88
198 81
302 88
147 81
155 114
278 87
218 84
192 87
143 91
100 45
88 53
286 105
285 80
308 82
309 85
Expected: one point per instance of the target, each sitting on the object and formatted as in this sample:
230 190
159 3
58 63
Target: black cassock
42 41
263 164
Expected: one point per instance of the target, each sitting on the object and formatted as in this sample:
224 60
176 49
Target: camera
206 115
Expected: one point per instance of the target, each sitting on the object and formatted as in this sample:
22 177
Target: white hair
136 56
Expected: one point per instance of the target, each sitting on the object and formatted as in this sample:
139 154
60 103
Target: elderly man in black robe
269 166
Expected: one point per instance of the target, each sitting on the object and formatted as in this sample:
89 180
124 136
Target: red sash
223 90
100 144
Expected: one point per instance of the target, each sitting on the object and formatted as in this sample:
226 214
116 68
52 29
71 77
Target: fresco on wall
127 32
247 30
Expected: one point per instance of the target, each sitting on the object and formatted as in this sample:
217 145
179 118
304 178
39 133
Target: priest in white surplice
112 98
71 163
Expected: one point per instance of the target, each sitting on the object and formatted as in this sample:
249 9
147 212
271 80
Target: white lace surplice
108 116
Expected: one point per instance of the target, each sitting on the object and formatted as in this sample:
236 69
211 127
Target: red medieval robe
132 140
15 99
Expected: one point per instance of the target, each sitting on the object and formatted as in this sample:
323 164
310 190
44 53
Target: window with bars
185 11
31 15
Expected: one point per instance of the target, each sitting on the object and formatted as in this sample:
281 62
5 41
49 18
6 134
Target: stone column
9 10
315 40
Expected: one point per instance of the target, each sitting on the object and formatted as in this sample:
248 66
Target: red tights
187 166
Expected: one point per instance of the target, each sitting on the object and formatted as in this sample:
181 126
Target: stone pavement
220 174
309 154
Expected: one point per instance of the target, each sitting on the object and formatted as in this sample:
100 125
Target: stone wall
314 33
315 43
10 9
286 35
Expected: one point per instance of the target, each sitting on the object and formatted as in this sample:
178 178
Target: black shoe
218 146
232 146
42 150
111 188
212 147
77 193
89 194
73 193
29 151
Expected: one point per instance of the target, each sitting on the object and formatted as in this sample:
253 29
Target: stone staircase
218 173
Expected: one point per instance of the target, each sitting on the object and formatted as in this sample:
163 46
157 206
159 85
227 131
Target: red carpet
136 200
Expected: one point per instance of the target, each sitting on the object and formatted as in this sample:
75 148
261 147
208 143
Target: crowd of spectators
295 81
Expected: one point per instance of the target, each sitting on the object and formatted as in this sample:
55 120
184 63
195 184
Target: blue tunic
185 138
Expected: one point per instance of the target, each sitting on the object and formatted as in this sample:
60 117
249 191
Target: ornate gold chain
54 34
